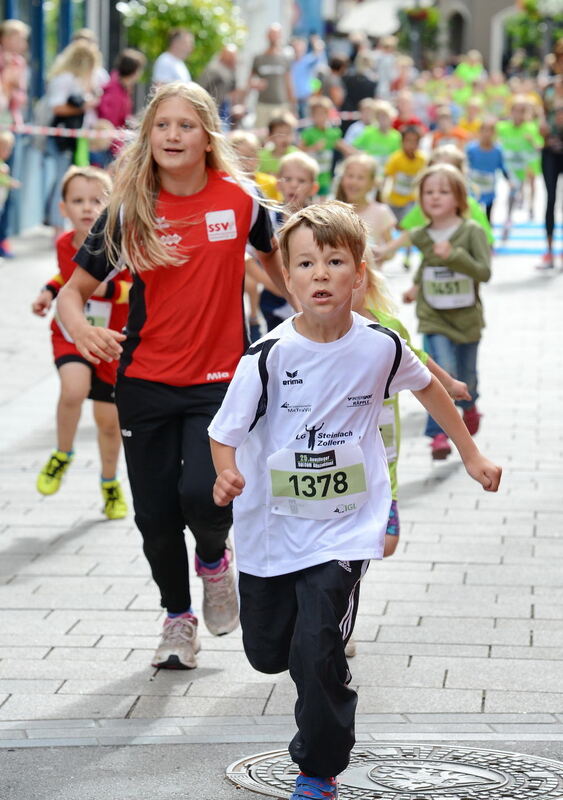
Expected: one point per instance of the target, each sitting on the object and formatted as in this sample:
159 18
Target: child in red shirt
84 195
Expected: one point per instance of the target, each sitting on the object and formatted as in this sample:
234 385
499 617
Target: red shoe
471 417
440 447
546 262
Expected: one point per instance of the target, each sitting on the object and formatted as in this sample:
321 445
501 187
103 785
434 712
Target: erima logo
125 433
217 376
291 378
171 238
344 507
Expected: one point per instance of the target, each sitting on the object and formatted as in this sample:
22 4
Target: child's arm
475 262
436 401
230 482
383 252
95 344
254 270
457 390
272 263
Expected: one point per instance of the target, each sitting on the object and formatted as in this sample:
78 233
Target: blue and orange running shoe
308 788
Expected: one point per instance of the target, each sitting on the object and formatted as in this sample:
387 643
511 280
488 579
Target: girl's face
178 139
437 198
296 185
356 182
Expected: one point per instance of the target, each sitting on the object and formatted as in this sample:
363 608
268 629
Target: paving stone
29 687
214 688
89 654
198 706
65 706
521 702
407 700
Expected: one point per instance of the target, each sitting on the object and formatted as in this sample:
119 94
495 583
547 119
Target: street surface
460 634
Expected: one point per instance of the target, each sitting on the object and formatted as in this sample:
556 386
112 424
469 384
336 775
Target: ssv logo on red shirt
221 225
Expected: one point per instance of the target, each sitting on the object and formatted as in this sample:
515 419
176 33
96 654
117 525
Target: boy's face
282 136
383 120
319 115
518 113
296 186
410 144
6 148
321 279
84 202
367 115
445 123
486 134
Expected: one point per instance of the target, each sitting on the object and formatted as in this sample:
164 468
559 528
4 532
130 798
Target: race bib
318 485
403 184
388 431
444 289
516 161
324 160
483 181
97 313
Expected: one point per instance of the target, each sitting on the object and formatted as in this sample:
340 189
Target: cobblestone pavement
459 635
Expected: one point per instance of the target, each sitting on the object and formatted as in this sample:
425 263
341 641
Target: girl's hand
410 295
458 390
42 303
228 485
98 344
442 249
484 472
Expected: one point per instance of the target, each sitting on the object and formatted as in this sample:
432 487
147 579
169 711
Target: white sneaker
350 649
220 603
178 645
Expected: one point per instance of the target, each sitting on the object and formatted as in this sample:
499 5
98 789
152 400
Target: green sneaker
50 477
115 506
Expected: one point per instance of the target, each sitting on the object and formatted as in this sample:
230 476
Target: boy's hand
98 344
442 249
410 295
42 303
484 472
458 390
228 485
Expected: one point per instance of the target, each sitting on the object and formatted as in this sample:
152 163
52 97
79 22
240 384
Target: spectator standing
170 66
72 96
332 83
304 69
552 154
116 104
271 76
14 37
219 79
386 65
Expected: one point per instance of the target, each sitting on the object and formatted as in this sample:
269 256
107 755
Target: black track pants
164 431
301 621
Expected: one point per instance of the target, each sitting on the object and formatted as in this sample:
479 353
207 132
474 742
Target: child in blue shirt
485 158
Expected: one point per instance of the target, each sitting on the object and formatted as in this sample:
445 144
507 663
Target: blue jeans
460 360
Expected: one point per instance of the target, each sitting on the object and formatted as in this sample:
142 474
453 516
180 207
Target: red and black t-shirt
186 323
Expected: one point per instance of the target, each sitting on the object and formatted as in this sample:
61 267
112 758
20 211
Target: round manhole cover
415 772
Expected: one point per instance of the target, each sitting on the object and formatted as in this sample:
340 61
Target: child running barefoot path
296 446
85 192
187 216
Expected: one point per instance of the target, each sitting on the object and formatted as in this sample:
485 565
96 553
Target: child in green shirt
321 140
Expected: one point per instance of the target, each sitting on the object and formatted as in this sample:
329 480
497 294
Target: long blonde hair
81 58
377 295
137 183
362 160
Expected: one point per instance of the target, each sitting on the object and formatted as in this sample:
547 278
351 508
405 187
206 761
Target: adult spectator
271 76
304 69
552 152
386 65
220 81
116 104
72 96
170 66
332 84
358 85
88 35
14 37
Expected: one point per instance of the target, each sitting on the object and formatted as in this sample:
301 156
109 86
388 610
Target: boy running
296 443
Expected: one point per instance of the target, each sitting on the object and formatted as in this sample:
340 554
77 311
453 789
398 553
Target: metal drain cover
415 772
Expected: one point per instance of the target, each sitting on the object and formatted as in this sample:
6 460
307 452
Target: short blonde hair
8 138
90 174
454 179
302 160
449 154
362 160
244 137
333 224
368 102
319 101
10 26
384 107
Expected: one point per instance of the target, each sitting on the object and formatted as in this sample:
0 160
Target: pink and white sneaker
220 602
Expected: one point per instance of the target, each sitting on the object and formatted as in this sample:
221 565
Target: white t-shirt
167 68
312 398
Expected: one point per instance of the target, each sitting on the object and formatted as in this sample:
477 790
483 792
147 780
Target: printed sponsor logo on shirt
345 565
293 409
171 239
161 223
316 437
359 400
343 508
292 378
221 225
315 460
126 433
217 376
